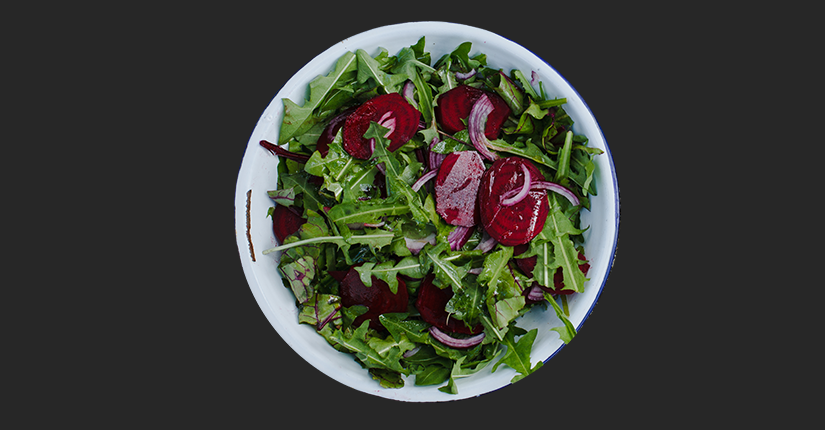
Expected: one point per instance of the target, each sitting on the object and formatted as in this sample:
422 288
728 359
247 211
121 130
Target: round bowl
258 175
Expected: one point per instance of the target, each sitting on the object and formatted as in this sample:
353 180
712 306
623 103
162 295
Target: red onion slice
522 192
536 294
487 243
459 236
416 245
476 124
435 159
462 76
453 342
423 179
538 186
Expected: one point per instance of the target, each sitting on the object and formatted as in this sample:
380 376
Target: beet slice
328 135
285 222
521 222
456 188
391 109
378 298
431 302
454 107
528 264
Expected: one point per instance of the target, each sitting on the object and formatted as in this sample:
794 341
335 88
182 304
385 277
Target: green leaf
525 83
410 65
299 274
388 271
564 159
396 183
511 94
369 212
296 117
565 253
321 310
369 68
517 355
467 303
567 332
387 378
445 271
400 327
495 264
357 343
283 197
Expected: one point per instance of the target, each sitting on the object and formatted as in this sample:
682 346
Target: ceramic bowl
258 175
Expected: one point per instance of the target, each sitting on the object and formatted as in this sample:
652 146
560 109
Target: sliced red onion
435 158
487 243
453 342
536 294
522 192
462 76
381 169
416 245
408 94
534 78
423 179
543 185
459 236
476 124
411 352
475 270
362 225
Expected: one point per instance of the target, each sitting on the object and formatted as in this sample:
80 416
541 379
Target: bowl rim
242 222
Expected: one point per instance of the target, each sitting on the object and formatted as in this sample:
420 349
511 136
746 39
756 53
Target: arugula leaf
312 200
396 184
525 84
409 64
400 327
375 240
388 271
565 253
369 68
517 355
369 211
511 93
297 118
445 271
566 332
467 303
366 354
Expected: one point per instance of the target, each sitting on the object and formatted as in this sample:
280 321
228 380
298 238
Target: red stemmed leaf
391 111
519 223
454 107
378 298
456 188
431 302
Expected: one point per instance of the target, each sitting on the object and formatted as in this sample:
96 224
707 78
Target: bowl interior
258 175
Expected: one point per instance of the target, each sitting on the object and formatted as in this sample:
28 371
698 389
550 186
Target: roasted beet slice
521 222
285 221
454 107
328 135
390 110
378 298
430 304
528 264
456 188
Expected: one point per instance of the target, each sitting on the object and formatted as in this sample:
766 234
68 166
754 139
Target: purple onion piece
435 159
416 245
487 243
543 185
476 123
536 294
522 192
459 236
423 179
462 76
453 342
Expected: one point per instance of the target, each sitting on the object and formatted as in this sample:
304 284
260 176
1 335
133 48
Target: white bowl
258 175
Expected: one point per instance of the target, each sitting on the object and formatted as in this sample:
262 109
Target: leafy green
299 118
517 355
567 331
385 357
370 68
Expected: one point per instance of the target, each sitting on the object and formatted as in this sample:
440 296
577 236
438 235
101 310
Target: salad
423 207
